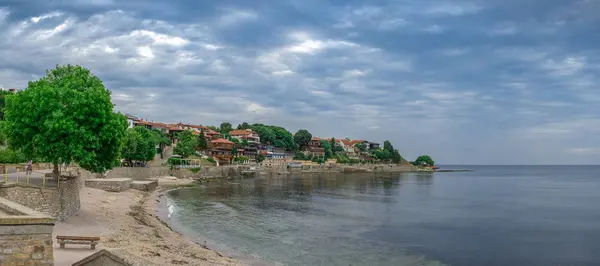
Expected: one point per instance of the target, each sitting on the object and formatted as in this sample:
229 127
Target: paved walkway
36 178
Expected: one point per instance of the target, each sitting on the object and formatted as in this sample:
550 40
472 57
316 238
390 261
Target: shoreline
159 205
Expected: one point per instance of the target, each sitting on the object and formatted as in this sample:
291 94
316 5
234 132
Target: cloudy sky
465 81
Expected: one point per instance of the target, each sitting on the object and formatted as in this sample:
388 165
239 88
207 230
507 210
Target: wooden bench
80 240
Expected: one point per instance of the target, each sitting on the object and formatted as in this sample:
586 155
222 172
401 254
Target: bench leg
62 245
93 246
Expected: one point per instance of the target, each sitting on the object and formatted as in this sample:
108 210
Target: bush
240 159
211 159
195 170
175 161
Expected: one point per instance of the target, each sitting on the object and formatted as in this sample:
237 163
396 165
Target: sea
493 216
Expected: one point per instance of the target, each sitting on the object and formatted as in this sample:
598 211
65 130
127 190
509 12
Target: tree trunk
56 172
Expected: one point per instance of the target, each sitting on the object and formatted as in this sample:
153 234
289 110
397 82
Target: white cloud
282 73
452 9
568 66
145 51
160 39
45 34
212 47
46 16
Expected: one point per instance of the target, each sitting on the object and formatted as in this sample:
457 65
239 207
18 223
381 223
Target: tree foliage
186 144
243 126
3 95
201 142
139 144
160 138
302 138
225 128
275 135
424 160
361 146
66 116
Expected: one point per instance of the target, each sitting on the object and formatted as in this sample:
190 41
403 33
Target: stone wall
25 236
26 248
109 184
60 203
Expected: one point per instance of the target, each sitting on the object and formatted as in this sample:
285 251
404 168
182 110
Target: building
316 147
251 150
373 146
220 149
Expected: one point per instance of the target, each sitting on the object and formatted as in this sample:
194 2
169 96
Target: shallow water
496 215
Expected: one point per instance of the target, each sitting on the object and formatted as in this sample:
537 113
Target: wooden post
27 177
44 180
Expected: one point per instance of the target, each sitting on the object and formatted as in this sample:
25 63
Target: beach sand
126 220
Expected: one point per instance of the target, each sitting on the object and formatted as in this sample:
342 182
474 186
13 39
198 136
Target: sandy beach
126 220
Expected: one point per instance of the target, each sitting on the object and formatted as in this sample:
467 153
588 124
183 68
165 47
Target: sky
464 81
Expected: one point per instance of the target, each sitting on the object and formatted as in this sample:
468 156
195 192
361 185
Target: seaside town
226 145
83 184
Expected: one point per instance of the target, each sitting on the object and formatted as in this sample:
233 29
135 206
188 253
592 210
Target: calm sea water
496 215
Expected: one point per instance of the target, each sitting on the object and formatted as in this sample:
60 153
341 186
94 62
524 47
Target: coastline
127 220
159 205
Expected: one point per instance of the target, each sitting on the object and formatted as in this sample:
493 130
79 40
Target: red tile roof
221 141
241 132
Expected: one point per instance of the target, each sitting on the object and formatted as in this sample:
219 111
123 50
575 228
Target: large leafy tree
225 127
186 146
302 138
66 116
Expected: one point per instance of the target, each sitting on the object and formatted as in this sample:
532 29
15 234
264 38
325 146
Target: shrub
211 159
195 170
240 159
174 161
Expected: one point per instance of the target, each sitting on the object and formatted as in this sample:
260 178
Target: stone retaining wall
109 184
59 203
25 236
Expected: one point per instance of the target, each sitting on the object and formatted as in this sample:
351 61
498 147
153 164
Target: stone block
109 184
148 185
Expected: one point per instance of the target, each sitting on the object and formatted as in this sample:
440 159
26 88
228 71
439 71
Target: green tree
243 126
139 145
3 95
214 128
186 144
327 148
361 146
161 139
424 159
225 127
261 157
66 116
201 143
302 138
387 145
